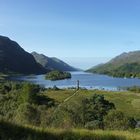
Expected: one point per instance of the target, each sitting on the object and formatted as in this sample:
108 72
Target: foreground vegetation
125 101
57 75
10 131
25 104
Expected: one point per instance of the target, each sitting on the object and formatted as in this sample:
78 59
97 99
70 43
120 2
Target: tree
95 108
57 75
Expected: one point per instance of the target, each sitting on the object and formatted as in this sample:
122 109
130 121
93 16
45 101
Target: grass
59 95
127 102
14 132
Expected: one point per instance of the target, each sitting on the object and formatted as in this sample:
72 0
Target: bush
95 108
116 120
28 114
30 93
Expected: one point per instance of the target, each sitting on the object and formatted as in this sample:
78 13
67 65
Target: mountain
52 63
124 65
14 59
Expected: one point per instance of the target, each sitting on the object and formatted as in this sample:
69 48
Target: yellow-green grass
14 132
59 95
127 102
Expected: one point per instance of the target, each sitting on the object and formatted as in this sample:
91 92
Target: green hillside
28 111
124 65
122 100
14 59
20 102
52 63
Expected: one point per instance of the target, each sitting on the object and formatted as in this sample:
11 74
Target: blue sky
81 32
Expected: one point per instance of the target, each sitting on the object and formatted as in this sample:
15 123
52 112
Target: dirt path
66 100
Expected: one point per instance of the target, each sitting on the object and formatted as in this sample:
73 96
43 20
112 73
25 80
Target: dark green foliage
116 120
6 87
58 75
88 114
29 93
52 63
95 108
13 59
22 103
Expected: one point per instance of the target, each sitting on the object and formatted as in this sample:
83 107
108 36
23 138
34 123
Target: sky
83 33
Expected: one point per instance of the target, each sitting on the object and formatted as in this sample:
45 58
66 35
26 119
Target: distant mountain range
52 63
124 65
14 59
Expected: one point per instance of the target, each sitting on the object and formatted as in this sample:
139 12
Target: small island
57 75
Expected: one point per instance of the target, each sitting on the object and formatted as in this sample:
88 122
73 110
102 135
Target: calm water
87 80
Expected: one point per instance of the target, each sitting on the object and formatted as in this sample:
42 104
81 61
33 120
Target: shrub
95 108
29 93
116 120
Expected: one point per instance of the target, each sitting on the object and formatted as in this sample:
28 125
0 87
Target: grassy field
127 102
14 132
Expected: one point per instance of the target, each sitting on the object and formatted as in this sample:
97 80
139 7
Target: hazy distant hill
52 63
124 65
15 59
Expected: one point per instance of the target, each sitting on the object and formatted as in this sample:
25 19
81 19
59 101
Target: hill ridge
123 65
52 63
14 59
